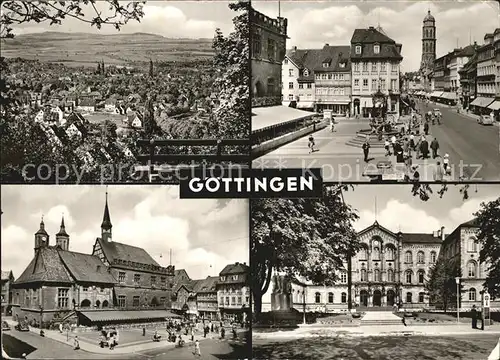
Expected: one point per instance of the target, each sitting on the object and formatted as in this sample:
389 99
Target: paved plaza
473 150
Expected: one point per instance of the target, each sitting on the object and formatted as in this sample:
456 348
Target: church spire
106 221
62 237
62 230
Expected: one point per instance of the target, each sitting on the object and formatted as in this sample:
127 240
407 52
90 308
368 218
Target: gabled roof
46 266
85 267
115 250
370 35
236 268
471 223
6 275
367 38
410 238
206 285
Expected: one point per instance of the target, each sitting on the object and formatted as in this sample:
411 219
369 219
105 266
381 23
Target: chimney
236 263
371 28
294 48
327 45
442 233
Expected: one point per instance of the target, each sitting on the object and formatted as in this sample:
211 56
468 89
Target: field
81 49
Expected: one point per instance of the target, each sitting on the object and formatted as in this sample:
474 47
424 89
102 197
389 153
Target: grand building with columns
392 267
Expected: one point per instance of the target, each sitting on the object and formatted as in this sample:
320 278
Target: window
421 297
326 64
471 269
233 300
137 278
163 280
153 280
62 298
121 277
309 85
362 253
374 67
376 49
290 85
317 298
382 84
472 294
290 72
227 300
330 76
433 257
421 276
394 84
408 257
163 299
394 67
257 45
365 83
374 84
121 301
420 257
342 64
356 67
408 297
382 66
271 87
290 97
363 275
235 277
376 275
343 277
471 245
408 275
271 49
136 301
376 251
389 253
285 61
239 300
330 297
390 275
301 86
365 67
358 49
85 289
306 72
343 298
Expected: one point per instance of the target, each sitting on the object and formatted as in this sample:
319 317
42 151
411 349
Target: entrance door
391 298
363 298
377 298
356 106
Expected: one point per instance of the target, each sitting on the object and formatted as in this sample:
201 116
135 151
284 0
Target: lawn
378 348
438 318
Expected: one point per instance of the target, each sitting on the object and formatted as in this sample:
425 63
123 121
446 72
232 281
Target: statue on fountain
281 297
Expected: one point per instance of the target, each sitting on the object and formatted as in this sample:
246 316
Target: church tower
41 237
106 222
62 237
428 48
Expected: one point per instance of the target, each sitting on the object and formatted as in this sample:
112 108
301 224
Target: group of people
109 338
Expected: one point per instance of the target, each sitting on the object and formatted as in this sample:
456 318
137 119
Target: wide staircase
380 318
359 139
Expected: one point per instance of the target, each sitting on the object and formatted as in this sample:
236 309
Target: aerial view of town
86 90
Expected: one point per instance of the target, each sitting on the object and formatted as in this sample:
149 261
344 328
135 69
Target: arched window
376 253
363 254
471 269
433 257
389 253
376 275
390 275
317 298
343 277
421 297
330 297
408 257
408 275
363 275
472 294
420 257
408 297
421 276
344 298
471 245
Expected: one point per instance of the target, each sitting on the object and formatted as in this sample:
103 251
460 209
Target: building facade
7 280
267 51
486 68
428 50
375 62
318 79
233 292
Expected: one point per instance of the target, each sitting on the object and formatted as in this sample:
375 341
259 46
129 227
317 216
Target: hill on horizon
77 49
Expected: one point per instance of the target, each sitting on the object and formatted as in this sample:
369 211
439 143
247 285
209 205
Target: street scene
368 102
88 86
156 282
388 269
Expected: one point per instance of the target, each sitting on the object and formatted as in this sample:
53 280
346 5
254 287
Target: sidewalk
377 330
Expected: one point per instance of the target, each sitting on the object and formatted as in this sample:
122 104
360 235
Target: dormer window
342 64
325 64
306 72
376 49
358 49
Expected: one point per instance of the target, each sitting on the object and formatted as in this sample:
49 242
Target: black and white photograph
125 272
377 271
122 91
377 90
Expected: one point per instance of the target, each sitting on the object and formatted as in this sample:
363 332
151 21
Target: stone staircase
358 140
380 318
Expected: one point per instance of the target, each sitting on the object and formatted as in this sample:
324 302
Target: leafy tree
441 285
301 237
488 236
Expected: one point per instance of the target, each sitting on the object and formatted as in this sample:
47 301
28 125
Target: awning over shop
495 105
449 96
482 102
437 94
112 315
305 105
366 102
263 117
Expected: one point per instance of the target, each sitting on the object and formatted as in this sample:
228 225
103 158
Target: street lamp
457 279
304 303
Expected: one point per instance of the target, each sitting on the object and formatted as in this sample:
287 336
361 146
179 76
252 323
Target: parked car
485 120
5 326
22 326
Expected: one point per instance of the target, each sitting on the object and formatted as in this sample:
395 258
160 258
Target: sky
201 233
395 208
312 24
173 19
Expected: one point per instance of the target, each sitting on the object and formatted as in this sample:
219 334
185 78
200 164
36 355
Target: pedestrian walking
426 128
76 344
366 149
197 350
61 328
438 172
424 148
393 143
143 331
332 125
311 144
222 332
192 334
474 317
387 146
434 148
446 164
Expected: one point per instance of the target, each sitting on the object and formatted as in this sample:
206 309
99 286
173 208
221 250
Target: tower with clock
41 236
